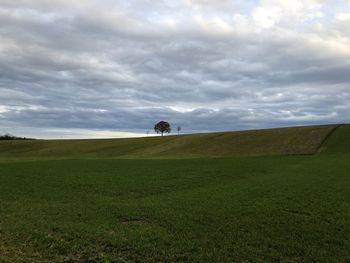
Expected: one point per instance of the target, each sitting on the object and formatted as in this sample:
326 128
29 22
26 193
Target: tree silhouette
162 127
178 129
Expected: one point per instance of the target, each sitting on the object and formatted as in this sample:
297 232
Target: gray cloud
111 66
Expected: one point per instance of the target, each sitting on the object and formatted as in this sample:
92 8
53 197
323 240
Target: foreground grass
261 209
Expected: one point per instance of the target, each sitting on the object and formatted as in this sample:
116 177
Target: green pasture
284 200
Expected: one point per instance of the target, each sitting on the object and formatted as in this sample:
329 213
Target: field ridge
302 140
328 137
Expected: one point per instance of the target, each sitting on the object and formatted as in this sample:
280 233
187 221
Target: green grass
338 142
284 141
242 209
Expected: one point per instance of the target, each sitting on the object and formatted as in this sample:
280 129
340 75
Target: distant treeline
12 137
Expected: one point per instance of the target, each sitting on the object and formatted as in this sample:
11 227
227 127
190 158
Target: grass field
286 141
280 206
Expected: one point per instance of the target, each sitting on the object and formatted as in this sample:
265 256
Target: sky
110 68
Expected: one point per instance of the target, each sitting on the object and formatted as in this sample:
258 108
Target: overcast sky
109 68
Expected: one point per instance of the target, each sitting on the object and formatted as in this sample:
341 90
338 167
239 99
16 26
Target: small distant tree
178 129
162 127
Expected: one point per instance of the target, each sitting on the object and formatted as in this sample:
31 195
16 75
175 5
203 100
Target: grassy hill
285 206
338 142
283 141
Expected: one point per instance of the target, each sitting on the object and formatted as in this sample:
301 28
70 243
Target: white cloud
115 65
266 17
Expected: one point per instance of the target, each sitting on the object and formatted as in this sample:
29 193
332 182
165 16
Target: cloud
117 66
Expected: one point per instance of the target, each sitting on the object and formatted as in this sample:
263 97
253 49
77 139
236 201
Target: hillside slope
282 141
338 142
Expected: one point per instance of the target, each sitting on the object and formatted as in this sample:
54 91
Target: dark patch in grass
137 221
297 212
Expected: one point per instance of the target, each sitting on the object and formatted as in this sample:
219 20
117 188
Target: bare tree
162 127
178 129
